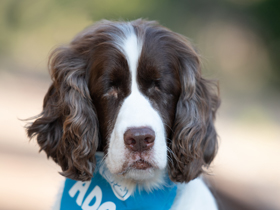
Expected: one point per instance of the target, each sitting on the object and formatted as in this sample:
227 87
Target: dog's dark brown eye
156 85
112 92
153 89
153 85
113 84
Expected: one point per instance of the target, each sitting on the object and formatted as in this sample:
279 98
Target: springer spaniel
129 109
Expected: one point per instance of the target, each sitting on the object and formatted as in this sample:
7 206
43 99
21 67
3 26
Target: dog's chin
139 171
142 175
141 165
144 179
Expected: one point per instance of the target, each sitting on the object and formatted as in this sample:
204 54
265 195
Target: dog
128 106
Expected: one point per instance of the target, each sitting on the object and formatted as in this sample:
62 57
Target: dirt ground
245 174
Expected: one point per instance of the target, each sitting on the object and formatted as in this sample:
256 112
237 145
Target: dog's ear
67 128
194 140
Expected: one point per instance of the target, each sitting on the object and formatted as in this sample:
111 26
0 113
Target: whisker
169 127
173 154
102 162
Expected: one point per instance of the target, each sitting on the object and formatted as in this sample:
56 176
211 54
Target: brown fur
77 119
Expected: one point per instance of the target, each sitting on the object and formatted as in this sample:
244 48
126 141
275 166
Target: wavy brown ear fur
194 140
67 128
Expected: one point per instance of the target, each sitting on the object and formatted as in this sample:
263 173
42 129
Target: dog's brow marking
132 49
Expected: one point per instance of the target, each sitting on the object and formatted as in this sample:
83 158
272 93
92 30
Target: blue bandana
103 193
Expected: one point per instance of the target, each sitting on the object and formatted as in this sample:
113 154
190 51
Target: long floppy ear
67 128
194 140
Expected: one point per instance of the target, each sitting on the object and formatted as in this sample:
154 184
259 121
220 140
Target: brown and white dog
134 91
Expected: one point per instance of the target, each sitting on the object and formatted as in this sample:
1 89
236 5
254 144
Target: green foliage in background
32 25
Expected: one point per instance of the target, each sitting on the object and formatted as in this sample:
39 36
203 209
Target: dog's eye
113 84
112 92
153 86
156 85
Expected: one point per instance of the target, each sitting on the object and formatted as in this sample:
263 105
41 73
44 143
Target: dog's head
135 91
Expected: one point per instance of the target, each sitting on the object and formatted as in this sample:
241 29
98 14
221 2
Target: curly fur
194 140
68 128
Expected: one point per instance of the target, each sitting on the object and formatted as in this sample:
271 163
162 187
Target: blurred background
239 41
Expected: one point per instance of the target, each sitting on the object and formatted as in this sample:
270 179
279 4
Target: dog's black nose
139 139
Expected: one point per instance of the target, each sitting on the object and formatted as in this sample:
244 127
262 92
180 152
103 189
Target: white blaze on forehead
132 49
136 111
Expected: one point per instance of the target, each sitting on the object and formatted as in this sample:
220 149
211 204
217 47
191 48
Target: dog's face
133 90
